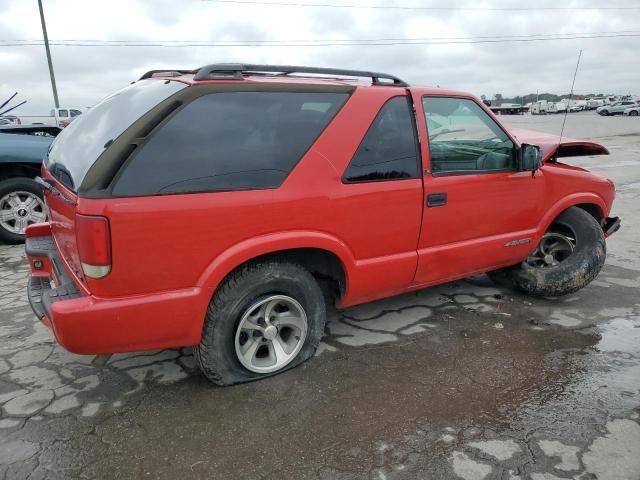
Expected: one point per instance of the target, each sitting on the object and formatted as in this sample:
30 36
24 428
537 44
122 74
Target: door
480 211
378 204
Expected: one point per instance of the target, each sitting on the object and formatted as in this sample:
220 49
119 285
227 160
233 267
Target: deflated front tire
569 256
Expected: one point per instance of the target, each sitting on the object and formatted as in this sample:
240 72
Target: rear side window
78 146
389 149
230 141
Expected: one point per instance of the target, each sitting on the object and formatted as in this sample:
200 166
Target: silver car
633 111
616 108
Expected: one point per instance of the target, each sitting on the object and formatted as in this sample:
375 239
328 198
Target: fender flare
570 201
236 255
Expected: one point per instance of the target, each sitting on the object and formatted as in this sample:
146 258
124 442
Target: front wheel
604 113
265 318
633 113
569 256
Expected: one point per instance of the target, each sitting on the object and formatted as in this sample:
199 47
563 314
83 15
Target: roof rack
165 73
235 70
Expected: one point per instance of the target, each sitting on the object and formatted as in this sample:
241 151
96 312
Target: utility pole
46 47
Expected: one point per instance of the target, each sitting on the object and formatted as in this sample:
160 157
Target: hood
23 148
548 143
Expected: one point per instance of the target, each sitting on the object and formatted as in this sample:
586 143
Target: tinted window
81 143
63 113
75 113
389 149
230 141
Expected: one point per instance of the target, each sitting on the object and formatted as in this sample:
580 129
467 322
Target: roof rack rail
235 70
167 72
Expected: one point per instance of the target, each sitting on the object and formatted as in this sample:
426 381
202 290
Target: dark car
22 148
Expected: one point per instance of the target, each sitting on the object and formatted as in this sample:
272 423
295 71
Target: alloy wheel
553 248
20 209
270 334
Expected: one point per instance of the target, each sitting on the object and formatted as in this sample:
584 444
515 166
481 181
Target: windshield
83 141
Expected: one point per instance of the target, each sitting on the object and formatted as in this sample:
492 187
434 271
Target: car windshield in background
83 141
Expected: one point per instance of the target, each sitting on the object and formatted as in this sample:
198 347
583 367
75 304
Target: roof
280 74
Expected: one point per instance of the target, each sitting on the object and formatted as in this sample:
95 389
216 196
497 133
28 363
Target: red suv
220 207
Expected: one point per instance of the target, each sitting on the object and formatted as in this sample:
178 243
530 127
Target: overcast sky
87 74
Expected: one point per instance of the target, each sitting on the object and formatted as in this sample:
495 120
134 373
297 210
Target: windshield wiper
48 185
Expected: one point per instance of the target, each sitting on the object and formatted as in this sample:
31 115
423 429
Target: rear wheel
265 318
569 256
633 113
21 205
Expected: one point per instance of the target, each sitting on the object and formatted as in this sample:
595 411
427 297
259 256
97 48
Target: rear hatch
80 145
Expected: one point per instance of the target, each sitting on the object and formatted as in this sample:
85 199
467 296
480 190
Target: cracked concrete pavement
468 380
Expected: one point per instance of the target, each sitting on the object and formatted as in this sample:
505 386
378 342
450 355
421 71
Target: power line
311 40
410 7
323 43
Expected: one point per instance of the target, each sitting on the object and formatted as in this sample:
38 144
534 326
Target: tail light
94 245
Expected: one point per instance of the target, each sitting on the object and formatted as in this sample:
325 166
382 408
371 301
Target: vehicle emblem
514 243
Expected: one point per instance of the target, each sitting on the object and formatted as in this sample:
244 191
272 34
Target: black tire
216 353
17 184
574 272
604 113
633 113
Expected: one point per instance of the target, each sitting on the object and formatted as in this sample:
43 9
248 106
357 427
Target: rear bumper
85 324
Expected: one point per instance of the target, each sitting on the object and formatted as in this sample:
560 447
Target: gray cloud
87 74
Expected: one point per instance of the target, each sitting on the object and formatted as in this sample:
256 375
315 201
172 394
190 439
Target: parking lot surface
468 380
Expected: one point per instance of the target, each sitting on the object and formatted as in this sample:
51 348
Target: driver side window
464 139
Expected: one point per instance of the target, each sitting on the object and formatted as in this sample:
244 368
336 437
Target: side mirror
530 158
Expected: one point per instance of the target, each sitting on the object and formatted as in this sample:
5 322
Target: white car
633 111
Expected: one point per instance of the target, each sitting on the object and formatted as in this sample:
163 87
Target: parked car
218 207
632 112
58 117
616 108
22 149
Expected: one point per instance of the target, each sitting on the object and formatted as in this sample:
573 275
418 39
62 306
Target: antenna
566 112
